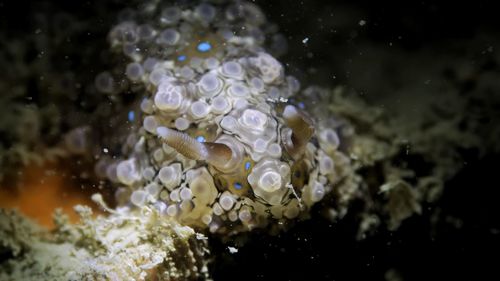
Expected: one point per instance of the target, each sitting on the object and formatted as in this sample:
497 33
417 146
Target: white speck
362 22
105 150
232 250
200 236
305 40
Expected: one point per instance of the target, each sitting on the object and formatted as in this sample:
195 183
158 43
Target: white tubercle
270 181
169 97
170 176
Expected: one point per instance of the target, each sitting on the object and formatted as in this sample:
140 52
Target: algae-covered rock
126 245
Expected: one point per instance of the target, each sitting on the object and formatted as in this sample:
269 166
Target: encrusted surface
125 245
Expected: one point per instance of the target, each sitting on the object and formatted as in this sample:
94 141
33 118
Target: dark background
463 244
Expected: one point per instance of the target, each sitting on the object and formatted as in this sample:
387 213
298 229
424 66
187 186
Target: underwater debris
126 245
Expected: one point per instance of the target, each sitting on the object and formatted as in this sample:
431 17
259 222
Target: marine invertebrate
220 141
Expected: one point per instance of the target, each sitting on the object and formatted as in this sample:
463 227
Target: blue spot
247 165
181 58
237 185
131 116
204 47
301 105
200 139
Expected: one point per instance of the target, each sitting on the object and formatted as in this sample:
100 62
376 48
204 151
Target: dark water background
395 32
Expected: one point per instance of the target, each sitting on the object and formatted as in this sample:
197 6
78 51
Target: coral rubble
125 245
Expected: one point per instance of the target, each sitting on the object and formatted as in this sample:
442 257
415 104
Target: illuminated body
220 145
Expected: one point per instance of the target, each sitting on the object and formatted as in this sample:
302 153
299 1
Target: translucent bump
206 219
292 209
175 196
226 33
169 97
274 93
77 140
212 63
232 69
226 201
217 209
199 109
169 37
238 90
260 145
186 194
232 216
252 13
161 207
104 82
209 85
130 50
220 105
149 64
270 181
158 155
240 103
205 12
326 165
213 227
228 123
153 189
195 63
293 84
147 106
244 215
111 172
129 35
257 84
134 71
253 119
269 67
145 32
164 195
139 198
317 192
187 73
329 139
150 124
127 172
170 176
181 124
256 33
172 210
148 173
170 15
157 75
274 150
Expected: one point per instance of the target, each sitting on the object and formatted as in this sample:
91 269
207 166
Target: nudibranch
222 146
